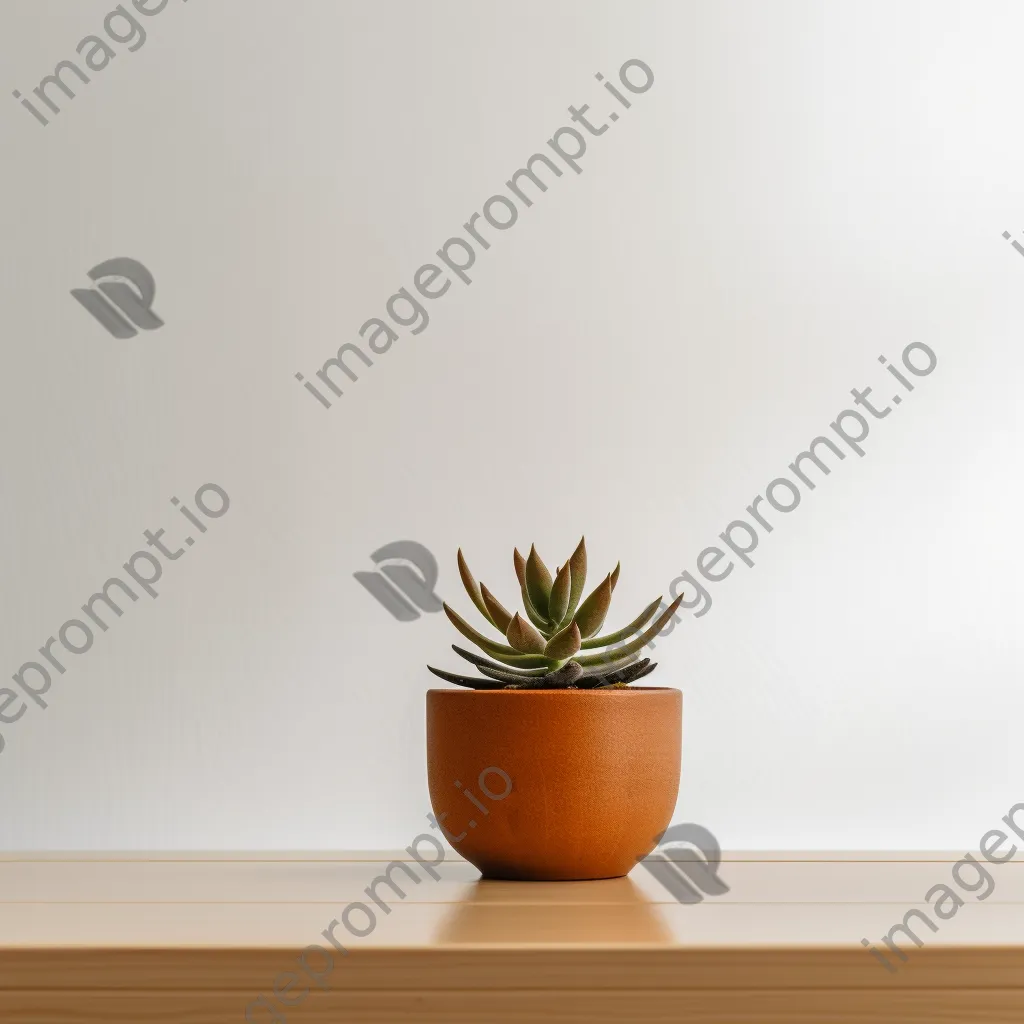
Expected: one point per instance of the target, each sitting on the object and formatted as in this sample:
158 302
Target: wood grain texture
512 1006
123 938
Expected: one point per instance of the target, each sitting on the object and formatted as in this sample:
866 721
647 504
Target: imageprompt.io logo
405 582
686 863
122 297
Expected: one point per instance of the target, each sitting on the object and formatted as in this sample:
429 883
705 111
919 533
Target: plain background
805 187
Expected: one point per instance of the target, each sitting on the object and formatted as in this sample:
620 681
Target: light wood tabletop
284 937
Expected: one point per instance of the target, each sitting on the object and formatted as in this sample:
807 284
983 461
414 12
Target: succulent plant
556 645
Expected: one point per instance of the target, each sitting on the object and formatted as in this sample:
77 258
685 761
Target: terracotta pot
553 785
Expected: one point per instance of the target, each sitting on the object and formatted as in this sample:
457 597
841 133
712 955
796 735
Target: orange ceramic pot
553 785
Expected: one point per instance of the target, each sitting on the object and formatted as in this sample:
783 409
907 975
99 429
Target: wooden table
200 938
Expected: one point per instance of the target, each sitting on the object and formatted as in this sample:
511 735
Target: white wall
805 187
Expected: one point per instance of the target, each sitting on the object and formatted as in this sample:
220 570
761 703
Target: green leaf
482 663
473 589
558 602
526 661
506 676
578 573
496 611
615 575
524 637
565 643
607 663
538 582
592 612
535 616
626 631
491 647
641 641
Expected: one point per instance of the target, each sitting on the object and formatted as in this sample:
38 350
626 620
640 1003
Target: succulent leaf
520 563
626 631
496 611
565 643
563 677
525 661
591 614
629 673
523 637
473 589
505 676
610 661
578 573
558 602
473 684
627 676
514 667
624 675
484 643
641 641
645 671
535 616
592 679
499 652
615 574
538 582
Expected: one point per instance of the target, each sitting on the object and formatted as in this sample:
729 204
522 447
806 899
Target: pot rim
564 691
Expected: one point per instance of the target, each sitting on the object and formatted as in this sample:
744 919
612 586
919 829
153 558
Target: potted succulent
580 770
